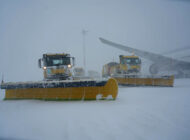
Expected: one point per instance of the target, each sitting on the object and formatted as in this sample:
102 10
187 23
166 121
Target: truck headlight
69 66
44 68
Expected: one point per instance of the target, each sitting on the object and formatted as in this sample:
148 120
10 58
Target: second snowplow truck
127 72
128 65
59 83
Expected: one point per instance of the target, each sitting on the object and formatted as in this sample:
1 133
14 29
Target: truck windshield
57 61
132 61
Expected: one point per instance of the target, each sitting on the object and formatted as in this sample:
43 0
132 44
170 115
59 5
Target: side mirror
39 63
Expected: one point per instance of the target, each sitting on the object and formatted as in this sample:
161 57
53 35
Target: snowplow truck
128 65
127 73
58 83
56 66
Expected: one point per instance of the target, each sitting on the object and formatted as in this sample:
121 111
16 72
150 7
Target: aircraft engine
153 69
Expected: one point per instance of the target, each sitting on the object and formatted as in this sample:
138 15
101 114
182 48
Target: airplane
160 62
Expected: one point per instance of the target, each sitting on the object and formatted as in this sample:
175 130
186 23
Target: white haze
29 28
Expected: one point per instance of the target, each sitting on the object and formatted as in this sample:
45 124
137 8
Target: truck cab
130 64
57 66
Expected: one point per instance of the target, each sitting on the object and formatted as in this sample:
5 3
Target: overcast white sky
29 28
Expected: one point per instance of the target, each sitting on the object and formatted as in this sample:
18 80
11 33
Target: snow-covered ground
139 113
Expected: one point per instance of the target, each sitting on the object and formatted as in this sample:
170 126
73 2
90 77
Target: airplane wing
177 50
144 54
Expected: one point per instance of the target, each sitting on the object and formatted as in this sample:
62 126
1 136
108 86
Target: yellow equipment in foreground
57 66
62 90
59 84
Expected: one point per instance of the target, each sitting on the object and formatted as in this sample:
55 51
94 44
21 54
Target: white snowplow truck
57 66
59 84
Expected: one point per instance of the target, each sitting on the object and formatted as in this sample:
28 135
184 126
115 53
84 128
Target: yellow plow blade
167 81
63 90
